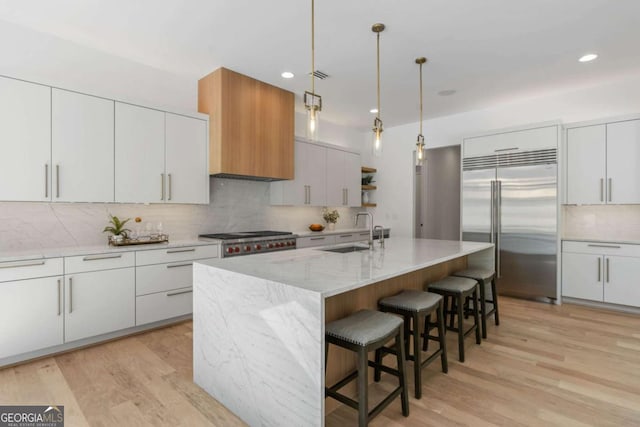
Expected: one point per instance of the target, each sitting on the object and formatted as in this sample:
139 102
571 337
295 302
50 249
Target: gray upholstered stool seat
363 327
454 284
486 279
457 289
411 300
362 332
416 307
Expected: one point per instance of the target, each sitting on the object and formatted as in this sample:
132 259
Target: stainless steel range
253 242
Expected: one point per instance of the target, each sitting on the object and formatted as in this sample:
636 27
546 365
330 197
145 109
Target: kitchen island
259 320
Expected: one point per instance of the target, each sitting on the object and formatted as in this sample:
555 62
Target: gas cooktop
253 242
246 234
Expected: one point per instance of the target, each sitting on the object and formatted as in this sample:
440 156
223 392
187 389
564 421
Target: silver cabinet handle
186 291
70 295
506 149
602 189
59 292
599 269
169 175
162 186
604 246
99 257
316 238
175 251
46 180
308 194
21 264
607 269
57 181
609 190
188 264
346 235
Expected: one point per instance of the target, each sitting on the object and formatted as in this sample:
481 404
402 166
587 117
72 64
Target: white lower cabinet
311 241
31 315
99 302
603 272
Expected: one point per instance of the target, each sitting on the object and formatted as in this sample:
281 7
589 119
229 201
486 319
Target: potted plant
117 230
331 217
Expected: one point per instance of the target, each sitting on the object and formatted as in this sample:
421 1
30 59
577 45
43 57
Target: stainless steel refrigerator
511 201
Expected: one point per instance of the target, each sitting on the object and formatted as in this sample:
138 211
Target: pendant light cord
378 67
313 50
421 99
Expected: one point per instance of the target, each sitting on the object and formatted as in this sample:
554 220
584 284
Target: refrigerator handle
492 230
498 225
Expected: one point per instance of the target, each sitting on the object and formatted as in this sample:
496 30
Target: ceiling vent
320 74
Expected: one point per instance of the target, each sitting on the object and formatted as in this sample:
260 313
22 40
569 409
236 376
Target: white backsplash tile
235 205
606 222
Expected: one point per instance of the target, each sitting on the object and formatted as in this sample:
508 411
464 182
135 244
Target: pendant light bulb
312 101
377 123
420 140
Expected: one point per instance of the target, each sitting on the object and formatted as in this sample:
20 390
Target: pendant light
312 101
377 122
420 143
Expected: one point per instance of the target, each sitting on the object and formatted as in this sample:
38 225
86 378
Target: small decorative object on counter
331 217
121 236
316 227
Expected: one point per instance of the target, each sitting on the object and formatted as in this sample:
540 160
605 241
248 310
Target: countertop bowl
316 227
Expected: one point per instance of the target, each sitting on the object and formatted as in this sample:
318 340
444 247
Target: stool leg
476 315
376 371
461 327
326 354
407 334
452 313
417 364
404 396
363 404
494 295
427 329
483 308
442 339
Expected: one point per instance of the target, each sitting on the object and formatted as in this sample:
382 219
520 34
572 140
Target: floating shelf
366 169
369 205
369 187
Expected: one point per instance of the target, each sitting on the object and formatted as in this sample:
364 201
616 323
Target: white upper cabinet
512 142
187 173
82 147
623 162
309 188
25 141
603 163
586 172
139 154
343 178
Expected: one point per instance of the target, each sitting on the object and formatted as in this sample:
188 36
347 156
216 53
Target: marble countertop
330 273
6 256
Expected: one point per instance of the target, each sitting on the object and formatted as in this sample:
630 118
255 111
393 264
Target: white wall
395 192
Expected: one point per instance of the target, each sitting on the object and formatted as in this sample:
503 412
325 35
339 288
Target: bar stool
458 289
362 332
416 307
484 277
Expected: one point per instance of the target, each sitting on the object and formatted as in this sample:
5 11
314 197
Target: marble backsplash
602 222
234 205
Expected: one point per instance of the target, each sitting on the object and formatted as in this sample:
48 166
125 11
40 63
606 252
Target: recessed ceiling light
588 57
373 110
447 92
287 75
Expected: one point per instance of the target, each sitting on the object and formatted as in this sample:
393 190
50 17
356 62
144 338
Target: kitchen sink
346 249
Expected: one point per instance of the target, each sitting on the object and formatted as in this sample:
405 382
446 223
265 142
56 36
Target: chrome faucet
381 235
370 226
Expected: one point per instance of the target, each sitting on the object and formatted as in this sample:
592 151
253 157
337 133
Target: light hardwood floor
544 365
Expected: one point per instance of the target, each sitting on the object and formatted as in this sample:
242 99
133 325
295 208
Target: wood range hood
251 127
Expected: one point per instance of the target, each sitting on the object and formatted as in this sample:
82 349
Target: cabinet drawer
29 269
601 248
187 253
164 277
163 305
311 241
347 237
96 262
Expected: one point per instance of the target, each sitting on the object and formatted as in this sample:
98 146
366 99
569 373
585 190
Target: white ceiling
490 51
